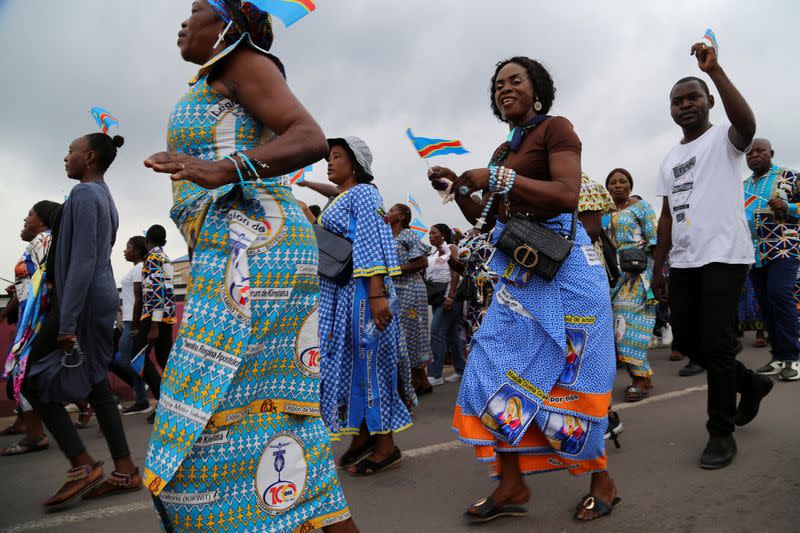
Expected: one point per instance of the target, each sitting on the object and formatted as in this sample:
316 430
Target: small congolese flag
431 147
104 119
298 176
418 227
709 39
289 11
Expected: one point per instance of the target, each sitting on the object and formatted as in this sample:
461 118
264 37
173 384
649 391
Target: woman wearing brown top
537 386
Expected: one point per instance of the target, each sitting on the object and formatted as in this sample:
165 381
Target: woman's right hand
659 285
440 173
206 174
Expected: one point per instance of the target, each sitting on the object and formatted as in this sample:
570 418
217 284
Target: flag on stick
431 147
418 227
104 119
137 362
413 203
709 39
289 11
300 175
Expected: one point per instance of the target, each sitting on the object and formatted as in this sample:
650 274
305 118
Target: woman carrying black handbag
71 355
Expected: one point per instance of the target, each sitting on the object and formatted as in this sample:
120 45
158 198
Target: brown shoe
117 483
80 480
676 356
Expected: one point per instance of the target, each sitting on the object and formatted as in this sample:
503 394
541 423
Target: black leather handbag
535 246
633 260
335 256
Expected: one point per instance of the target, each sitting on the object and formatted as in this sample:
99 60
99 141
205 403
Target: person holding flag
241 391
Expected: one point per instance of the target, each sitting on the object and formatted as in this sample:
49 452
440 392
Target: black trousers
162 348
703 305
55 417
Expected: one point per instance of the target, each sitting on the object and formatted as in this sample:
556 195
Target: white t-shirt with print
128 297
702 180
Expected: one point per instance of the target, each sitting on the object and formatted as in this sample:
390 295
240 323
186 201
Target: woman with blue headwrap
238 443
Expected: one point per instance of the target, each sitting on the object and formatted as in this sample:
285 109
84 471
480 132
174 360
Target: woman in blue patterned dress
412 254
238 444
359 388
633 225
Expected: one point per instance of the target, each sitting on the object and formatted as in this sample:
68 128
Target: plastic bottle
371 332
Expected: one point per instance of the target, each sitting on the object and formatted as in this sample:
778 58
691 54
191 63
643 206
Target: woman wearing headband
237 432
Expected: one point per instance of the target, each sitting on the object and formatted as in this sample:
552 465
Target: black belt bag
633 260
335 256
535 246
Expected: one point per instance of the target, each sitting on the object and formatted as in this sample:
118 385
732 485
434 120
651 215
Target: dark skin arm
743 121
325 189
545 199
415 265
255 82
592 223
378 303
137 306
454 279
661 252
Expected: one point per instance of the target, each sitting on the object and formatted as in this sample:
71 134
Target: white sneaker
452 378
666 335
655 342
789 372
435 382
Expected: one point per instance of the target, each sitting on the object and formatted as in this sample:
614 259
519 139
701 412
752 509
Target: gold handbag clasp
526 256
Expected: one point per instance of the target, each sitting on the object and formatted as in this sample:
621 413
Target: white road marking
109 512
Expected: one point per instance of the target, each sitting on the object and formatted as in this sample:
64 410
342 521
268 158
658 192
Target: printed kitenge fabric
632 298
32 295
773 237
594 197
749 317
539 375
359 374
238 445
474 251
413 299
158 293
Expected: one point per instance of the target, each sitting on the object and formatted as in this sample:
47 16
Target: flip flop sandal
74 475
367 467
487 509
603 509
760 343
351 457
25 446
635 394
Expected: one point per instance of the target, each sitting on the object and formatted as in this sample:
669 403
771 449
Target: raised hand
706 57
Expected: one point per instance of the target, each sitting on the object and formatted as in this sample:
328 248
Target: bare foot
602 488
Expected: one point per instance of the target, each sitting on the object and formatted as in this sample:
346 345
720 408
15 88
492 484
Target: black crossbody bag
535 246
335 254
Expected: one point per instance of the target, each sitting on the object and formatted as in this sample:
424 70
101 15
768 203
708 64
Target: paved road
655 470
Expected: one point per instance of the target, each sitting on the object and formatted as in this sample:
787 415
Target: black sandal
603 509
353 456
635 394
367 467
487 509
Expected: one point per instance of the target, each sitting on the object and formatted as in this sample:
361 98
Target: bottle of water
371 332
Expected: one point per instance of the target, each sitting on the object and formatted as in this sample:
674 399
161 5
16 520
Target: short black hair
620 171
444 229
539 76
406 212
46 211
139 243
105 148
687 79
157 235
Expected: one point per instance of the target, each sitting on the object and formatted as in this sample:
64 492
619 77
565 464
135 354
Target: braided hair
539 76
406 212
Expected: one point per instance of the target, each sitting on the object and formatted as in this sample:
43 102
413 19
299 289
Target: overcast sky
373 69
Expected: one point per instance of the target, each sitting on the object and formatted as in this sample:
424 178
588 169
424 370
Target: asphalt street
656 471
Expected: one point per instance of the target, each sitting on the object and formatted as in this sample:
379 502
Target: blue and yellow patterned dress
238 443
632 298
413 300
359 378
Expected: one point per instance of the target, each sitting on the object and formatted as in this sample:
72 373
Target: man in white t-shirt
703 231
